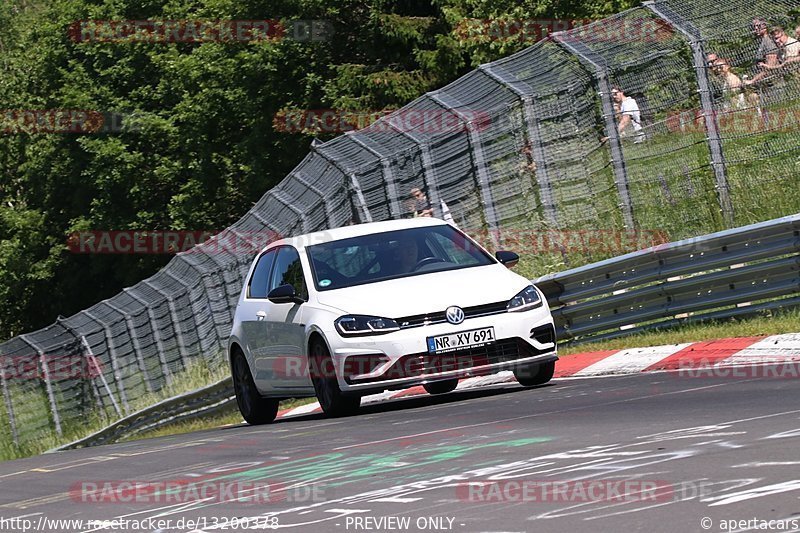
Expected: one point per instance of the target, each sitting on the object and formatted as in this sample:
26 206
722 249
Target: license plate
473 338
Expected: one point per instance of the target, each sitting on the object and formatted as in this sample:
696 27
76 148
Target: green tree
204 147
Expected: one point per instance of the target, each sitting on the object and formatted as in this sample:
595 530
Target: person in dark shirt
767 53
422 206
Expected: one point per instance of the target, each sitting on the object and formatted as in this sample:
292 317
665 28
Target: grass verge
196 375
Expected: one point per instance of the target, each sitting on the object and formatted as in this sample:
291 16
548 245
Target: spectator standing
629 115
733 88
788 47
767 53
421 206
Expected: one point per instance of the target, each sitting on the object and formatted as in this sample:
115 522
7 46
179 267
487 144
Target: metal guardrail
730 273
205 401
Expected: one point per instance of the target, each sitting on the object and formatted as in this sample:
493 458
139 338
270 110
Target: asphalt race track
656 452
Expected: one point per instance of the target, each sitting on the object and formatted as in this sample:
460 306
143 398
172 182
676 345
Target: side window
257 288
289 270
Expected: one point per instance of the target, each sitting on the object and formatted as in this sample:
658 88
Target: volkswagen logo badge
454 314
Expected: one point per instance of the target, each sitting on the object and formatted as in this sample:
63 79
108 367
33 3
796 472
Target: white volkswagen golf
361 309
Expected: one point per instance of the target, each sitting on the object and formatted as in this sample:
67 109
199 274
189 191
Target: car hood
426 293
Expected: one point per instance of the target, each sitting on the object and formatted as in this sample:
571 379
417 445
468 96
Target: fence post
534 137
389 180
604 88
355 186
713 138
428 172
47 384
182 350
203 277
112 356
301 179
102 378
299 212
156 334
448 103
137 348
9 404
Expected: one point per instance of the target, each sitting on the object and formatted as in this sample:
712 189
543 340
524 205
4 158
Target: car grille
419 364
438 317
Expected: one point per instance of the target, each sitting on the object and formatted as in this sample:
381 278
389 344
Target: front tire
326 387
535 374
441 387
255 409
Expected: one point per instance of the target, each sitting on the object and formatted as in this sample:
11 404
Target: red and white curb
720 353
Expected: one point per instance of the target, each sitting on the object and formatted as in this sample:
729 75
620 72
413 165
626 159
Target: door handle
261 315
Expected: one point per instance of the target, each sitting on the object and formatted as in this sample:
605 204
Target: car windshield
392 255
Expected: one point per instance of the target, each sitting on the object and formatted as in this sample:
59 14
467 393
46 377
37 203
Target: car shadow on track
414 402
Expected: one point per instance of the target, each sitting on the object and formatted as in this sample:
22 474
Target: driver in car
406 255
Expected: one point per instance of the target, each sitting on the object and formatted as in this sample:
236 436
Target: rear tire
255 409
441 387
326 387
537 374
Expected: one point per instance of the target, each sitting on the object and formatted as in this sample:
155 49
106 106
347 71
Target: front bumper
400 359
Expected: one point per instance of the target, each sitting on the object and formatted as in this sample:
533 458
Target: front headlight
527 299
354 325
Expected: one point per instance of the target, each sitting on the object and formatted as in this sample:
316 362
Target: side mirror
284 294
509 259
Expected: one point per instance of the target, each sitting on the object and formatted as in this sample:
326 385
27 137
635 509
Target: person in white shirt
733 88
630 115
788 48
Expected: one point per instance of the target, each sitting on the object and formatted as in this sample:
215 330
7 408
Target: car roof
356 230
